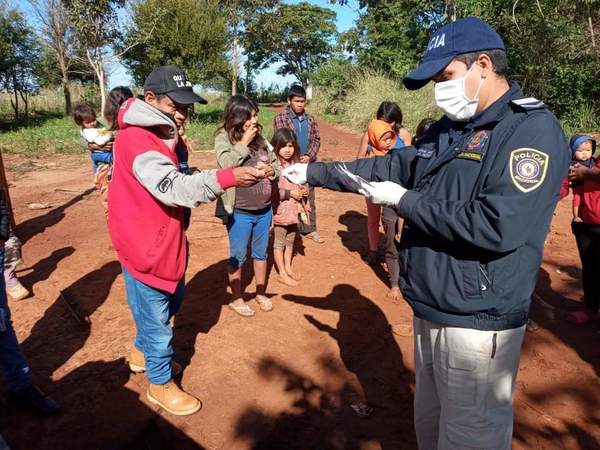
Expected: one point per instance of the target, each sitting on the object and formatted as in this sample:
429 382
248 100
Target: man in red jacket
146 199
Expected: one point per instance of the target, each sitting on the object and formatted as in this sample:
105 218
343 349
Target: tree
57 34
189 33
19 50
96 27
299 36
239 13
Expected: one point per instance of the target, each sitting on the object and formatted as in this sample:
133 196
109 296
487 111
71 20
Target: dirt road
286 379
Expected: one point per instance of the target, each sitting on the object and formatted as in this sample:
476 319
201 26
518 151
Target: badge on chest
475 147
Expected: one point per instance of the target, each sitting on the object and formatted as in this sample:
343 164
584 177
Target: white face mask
451 98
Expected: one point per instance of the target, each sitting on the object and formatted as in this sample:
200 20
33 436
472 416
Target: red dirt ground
281 380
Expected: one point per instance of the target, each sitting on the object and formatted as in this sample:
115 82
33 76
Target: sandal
578 317
243 310
264 303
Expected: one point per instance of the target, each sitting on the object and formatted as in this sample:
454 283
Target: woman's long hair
281 138
115 98
390 112
238 111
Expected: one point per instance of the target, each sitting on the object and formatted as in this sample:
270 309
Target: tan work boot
19 292
173 399
137 363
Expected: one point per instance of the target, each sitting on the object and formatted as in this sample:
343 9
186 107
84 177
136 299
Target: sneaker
33 398
18 292
315 237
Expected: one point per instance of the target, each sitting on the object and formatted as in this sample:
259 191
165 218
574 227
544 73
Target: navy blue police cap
466 35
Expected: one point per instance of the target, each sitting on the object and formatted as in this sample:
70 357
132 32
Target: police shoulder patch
528 168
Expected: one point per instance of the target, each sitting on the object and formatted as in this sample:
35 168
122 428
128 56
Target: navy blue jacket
480 201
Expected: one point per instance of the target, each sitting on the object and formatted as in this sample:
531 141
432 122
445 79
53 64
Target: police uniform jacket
480 201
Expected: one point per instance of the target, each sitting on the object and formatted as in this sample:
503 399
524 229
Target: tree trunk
451 10
234 62
591 25
97 63
102 83
67 93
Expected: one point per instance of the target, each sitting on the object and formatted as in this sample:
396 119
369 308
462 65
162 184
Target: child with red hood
382 139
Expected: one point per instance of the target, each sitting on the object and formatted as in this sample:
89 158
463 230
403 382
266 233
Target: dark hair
115 98
422 128
281 138
497 56
83 113
238 111
296 91
390 112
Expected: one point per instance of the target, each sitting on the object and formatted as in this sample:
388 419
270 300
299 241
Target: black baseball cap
470 34
171 80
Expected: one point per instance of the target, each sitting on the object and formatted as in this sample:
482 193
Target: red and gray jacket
147 194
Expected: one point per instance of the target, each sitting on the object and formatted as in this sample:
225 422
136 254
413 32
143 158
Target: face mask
451 98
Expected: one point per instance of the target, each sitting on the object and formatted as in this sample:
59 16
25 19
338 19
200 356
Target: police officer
477 194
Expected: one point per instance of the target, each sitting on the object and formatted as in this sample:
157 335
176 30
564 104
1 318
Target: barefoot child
289 202
586 227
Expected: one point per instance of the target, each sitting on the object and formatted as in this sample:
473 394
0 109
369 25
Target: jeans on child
246 225
152 310
100 158
12 360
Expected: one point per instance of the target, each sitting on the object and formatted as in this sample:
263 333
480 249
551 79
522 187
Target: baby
93 134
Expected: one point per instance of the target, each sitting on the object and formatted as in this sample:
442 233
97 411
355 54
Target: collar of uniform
497 110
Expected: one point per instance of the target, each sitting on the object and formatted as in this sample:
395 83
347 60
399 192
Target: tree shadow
355 239
324 419
101 412
26 230
35 119
58 335
205 294
42 269
550 308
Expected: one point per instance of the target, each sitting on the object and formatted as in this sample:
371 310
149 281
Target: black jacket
481 199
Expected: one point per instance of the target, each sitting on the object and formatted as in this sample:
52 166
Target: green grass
55 133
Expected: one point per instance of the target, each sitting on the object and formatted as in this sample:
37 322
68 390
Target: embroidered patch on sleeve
528 168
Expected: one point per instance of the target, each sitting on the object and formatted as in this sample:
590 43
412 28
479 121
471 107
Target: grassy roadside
55 133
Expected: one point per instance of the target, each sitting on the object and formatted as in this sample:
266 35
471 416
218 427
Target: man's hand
296 173
386 193
304 191
247 176
305 159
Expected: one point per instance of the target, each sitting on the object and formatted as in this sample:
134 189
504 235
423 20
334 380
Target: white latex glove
296 173
386 193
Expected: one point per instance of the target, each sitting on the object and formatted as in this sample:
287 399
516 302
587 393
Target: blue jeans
152 309
12 360
242 227
101 158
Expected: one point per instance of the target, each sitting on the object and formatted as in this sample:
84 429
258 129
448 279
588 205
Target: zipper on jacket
487 279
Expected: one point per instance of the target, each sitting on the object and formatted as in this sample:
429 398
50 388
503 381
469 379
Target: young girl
391 113
382 139
246 211
288 203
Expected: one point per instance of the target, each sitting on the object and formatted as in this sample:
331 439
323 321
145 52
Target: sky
346 17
